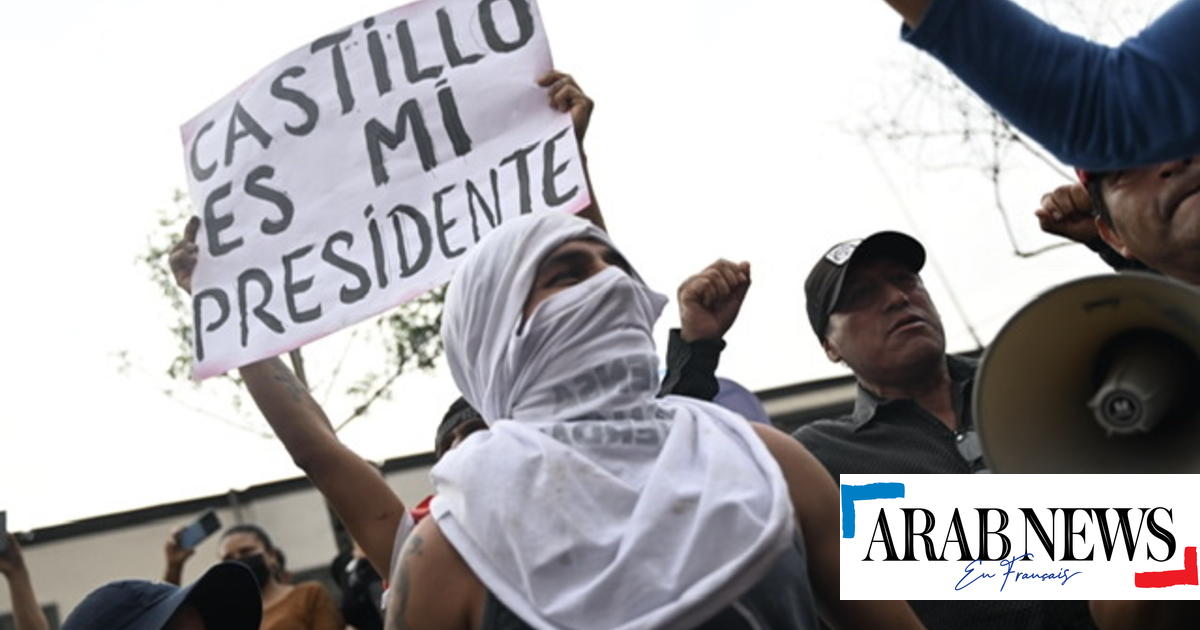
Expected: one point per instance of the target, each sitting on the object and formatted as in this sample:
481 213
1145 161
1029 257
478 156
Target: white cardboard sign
349 176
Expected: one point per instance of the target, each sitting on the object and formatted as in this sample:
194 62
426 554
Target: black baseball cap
226 596
460 413
823 287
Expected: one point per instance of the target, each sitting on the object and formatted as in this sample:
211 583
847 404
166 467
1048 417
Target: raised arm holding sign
367 506
350 175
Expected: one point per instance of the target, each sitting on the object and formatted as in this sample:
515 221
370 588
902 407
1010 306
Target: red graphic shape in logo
1187 576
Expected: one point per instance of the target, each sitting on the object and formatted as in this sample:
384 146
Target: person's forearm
297 420
173 574
27 614
358 493
1092 106
910 10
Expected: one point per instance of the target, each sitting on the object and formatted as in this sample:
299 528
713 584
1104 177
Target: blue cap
226 596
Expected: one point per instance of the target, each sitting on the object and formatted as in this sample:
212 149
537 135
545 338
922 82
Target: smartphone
201 528
3 531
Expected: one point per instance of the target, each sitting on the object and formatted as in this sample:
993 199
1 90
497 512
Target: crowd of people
576 490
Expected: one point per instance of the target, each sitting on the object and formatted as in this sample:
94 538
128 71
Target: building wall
66 569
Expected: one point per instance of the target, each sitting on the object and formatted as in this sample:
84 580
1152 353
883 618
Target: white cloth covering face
590 503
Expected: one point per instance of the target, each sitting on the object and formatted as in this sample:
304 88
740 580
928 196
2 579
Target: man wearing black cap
224 598
869 309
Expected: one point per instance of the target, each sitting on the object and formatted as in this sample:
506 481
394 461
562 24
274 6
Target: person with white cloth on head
590 503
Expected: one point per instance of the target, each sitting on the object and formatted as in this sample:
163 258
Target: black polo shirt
895 437
891 437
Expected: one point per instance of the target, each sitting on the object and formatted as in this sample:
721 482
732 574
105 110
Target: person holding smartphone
305 606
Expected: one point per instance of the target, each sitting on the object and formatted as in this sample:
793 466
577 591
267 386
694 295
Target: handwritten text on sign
348 177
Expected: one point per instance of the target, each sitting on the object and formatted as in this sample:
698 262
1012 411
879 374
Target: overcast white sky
723 129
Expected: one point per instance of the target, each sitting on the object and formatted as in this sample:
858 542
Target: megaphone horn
1095 376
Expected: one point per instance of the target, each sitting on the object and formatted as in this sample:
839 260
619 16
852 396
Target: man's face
1155 214
884 324
568 265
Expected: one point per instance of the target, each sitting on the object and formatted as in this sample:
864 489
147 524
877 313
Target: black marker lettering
293 287
443 225
424 239
222 301
248 127
333 43
261 278
550 171
277 198
201 173
306 104
408 53
379 64
520 157
409 115
453 55
452 121
214 224
347 294
524 17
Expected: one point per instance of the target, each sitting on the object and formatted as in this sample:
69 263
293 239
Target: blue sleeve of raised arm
1092 106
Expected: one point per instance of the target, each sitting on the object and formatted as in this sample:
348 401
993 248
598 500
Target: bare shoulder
433 588
793 457
811 486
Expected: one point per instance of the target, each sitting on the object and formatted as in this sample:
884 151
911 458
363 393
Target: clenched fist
710 300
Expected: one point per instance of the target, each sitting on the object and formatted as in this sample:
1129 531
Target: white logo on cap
841 252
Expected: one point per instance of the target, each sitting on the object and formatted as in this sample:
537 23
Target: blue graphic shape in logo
850 494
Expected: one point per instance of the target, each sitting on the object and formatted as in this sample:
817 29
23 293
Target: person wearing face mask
371 511
226 597
306 606
590 502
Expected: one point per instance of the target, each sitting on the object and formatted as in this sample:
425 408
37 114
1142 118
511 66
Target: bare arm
911 10
353 487
355 490
815 499
433 588
177 556
27 614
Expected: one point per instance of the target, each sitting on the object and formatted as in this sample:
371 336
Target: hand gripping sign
349 176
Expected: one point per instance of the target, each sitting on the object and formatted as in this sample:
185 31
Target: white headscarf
591 503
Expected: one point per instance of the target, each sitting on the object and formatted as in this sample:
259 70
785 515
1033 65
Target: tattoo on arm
411 548
282 375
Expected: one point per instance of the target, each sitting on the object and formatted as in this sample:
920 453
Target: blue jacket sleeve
1092 106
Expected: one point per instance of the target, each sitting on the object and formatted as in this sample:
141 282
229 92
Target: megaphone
1099 375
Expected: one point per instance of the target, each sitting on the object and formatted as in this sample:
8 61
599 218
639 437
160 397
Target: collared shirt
898 436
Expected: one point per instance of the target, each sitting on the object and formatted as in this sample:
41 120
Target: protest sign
350 175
